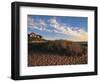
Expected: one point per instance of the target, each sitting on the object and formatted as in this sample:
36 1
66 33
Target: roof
32 33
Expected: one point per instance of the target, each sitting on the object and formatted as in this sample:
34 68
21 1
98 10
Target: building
32 34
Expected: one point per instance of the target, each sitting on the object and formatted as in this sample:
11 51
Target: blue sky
59 27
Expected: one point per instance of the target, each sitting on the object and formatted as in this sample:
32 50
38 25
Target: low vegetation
56 52
60 47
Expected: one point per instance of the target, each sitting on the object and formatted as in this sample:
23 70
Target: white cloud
40 24
31 22
76 33
53 23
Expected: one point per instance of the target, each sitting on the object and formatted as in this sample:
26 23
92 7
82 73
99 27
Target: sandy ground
44 59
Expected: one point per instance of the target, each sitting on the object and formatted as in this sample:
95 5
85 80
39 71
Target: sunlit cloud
76 33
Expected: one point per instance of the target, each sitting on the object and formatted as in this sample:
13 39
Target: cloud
79 35
31 21
75 33
39 24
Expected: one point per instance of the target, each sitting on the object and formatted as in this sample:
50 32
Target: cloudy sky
59 27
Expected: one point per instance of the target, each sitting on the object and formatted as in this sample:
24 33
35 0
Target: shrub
60 47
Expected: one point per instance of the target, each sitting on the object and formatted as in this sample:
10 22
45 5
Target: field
57 52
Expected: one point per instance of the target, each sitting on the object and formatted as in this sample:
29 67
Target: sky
59 27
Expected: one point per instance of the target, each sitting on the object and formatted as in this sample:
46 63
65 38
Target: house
32 34
38 36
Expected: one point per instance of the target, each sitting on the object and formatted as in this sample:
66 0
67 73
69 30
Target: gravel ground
45 59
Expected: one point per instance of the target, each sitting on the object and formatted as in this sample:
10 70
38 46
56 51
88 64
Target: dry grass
57 53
